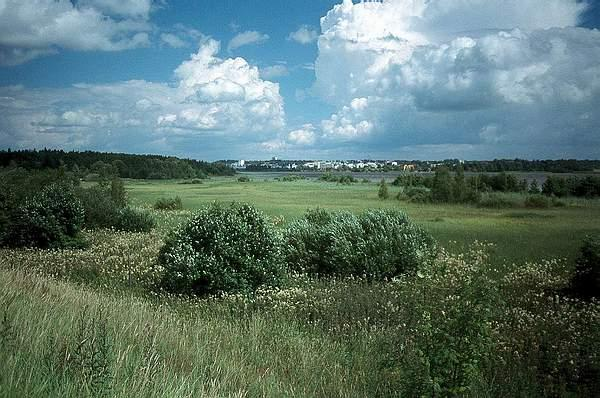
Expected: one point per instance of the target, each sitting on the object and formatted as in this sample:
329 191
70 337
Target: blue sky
253 79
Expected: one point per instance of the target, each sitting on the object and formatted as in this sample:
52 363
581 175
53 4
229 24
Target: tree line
447 187
102 165
550 166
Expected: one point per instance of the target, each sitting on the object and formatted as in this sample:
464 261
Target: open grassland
92 323
519 234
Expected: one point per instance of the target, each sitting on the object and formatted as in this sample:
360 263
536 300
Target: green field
519 234
473 323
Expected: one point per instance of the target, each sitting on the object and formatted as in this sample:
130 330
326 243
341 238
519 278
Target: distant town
496 165
276 164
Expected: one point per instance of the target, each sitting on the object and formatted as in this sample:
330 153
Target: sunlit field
518 234
484 318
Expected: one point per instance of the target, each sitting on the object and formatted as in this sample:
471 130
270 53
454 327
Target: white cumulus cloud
127 8
498 77
212 98
303 136
29 29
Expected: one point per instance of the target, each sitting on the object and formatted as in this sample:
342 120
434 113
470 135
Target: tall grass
461 326
66 340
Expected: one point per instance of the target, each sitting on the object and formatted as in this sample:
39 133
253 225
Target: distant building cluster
276 164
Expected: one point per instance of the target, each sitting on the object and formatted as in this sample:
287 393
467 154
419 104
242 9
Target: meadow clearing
484 319
518 234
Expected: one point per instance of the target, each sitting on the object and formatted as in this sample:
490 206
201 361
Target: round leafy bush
168 204
99 208
418 195
131 220
537 201
377 244
103 211
497 201
221 249
51 219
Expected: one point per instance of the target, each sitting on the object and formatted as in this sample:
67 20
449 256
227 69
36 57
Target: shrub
191 182
378 244
51 219
168 204
496 201
6 205
244 179
340 179
103 210
442 186
292 177
346 179
418 195
558 203
537 201
99 208
383 192
132 220
586 281
221 249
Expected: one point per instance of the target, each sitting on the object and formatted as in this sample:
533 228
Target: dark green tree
441 190
534 187
383 190
459 188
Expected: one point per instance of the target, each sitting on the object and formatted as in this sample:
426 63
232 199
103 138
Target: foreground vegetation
462 318
73 324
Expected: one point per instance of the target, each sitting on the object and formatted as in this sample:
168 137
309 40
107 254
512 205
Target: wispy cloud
181 36
304 35
172 40
247 38
274 71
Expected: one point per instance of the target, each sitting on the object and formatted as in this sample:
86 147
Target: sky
319 79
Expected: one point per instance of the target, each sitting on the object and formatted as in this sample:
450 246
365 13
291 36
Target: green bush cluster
377 244
292 177
585 283
537 201
133 220
497 201
588 187
345 179
418 195
168 204
194 181
244 179
105 206
51 219
383 192
221 249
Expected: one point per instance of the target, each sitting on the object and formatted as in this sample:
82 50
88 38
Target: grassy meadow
481 321
519 234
